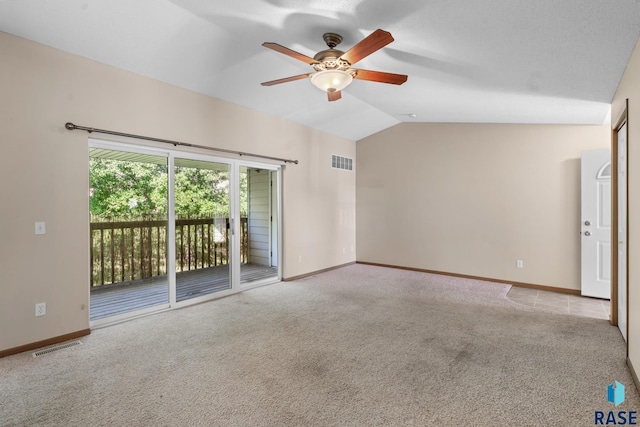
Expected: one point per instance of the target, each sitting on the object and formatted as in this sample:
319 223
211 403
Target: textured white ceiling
493 61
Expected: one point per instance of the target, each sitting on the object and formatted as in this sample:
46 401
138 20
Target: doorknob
587 223
587 233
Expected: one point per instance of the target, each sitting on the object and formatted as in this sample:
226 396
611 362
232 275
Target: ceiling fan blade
380 77
289 52
335 95
286 79
376 40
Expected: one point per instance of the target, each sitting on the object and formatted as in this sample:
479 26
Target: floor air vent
339 162
56 348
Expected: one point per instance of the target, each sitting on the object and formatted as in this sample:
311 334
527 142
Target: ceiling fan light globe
331 80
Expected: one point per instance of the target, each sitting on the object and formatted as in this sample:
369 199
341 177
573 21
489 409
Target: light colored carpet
358 346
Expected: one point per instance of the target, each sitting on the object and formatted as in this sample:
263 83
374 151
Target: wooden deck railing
128 250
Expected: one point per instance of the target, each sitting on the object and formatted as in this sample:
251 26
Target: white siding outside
259 217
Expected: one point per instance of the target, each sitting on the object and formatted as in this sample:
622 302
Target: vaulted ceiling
476 61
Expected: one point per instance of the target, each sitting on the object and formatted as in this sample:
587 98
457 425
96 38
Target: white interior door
622 230
596 223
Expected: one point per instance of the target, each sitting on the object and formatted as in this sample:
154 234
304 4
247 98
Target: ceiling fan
333 66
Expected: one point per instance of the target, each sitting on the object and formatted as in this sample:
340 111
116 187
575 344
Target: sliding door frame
278 170
136 149
234 216
622 120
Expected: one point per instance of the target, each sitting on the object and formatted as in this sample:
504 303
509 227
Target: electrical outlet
520 263
41 309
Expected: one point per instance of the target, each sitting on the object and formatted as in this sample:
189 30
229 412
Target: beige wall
474 198
44 176
630 88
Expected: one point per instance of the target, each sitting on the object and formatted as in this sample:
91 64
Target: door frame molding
622 120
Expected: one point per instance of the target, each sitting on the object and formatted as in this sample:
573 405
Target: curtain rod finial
70 126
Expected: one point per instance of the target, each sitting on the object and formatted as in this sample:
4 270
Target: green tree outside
126 190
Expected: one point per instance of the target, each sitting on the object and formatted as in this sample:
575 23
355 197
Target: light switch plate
40 228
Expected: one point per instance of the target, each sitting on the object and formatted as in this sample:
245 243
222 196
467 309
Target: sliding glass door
202 228
170 228
128 209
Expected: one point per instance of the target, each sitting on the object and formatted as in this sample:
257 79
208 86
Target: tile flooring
561 303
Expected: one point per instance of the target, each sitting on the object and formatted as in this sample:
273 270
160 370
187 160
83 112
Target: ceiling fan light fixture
331 80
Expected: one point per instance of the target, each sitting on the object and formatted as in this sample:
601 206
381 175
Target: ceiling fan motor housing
329 59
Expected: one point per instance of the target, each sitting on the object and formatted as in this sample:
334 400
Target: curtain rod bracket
71 126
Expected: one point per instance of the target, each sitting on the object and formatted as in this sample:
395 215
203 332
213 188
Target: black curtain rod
71 126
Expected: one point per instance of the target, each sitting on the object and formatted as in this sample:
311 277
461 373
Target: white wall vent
339 162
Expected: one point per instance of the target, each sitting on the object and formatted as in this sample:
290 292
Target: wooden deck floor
124 297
